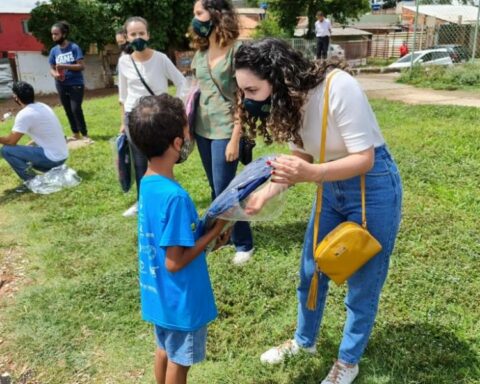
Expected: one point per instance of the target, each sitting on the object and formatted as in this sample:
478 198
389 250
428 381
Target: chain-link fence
461 39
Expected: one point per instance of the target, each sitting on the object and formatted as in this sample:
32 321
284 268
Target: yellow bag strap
313 291
318 207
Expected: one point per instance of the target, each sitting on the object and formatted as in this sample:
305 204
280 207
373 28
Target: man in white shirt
323 30
39 122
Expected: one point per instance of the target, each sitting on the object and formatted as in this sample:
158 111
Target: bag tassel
313 292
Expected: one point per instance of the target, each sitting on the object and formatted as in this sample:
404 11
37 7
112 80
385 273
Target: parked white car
426 57
336 50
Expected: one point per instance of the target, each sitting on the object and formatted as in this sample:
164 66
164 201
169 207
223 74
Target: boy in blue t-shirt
176 293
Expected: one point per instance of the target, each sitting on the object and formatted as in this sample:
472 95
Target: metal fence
387 46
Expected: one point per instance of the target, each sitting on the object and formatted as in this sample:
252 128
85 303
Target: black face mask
126 48
61 40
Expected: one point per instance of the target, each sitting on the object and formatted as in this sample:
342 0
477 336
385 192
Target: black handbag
246 150
247 144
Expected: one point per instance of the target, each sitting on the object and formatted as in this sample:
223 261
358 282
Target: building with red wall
14 34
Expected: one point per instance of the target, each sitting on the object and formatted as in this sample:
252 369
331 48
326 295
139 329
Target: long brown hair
225 23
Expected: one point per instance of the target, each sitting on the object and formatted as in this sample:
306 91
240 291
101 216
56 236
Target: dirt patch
8 105
12 271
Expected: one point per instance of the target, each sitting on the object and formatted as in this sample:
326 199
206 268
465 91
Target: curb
358 71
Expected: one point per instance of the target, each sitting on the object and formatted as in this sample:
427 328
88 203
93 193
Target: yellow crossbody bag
347 247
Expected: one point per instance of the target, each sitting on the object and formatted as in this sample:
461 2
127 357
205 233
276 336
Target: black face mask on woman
61 40
139 44
258 108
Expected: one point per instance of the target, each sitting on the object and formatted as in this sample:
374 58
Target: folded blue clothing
123 162
252 176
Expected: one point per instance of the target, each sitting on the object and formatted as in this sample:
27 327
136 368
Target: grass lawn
72 313
460 76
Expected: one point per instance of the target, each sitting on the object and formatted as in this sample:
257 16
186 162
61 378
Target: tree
269 28
89 22
168 19
288 11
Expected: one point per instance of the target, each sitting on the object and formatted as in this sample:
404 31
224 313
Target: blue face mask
139 44
202 28
257 108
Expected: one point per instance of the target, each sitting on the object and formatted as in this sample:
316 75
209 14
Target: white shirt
351 125
156 72
323 28
38 121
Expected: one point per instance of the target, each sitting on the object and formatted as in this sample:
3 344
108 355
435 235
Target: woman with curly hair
215 30
282 96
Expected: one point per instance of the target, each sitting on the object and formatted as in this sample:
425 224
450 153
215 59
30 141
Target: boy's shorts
183 348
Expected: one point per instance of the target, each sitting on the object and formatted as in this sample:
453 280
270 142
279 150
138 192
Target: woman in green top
215 27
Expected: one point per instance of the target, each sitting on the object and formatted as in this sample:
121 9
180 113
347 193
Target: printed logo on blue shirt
65 58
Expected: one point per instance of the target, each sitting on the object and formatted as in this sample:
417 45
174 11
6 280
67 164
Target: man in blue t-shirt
66 66
175 289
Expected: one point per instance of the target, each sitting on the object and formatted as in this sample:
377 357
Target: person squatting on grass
215 30
66 67
38 121
176 294
156 69
283 101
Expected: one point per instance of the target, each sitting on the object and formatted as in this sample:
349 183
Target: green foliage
89 22
95 21
76 317
287 11
464 76
168 19
269 28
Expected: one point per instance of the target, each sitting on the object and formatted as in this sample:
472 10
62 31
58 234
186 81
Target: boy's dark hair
24 91
155 122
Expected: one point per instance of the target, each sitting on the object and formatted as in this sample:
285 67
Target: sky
17 6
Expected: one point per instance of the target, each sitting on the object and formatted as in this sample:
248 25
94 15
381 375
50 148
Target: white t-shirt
38 121
156 72
351 125
322 28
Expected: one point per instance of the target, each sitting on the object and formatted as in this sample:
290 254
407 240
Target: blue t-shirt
167 217
68 55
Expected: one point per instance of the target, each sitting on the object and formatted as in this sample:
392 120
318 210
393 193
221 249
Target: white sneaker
276 355
241 257
341 373
132 211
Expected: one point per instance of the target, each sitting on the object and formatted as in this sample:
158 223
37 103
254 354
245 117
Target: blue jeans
71 97
342 202
219 173
21 157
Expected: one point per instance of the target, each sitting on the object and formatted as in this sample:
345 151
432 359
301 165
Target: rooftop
450 13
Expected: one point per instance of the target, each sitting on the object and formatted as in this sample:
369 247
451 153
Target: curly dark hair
225 23
291 75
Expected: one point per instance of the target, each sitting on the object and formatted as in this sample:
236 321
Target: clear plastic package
54 180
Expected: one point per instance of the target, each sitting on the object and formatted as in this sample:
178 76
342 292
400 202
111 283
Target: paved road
383 86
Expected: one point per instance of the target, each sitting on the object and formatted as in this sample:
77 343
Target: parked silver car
425 57
336 50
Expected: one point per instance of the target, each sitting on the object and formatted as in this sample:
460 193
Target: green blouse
214 119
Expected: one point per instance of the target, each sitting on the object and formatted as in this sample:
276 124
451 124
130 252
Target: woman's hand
232 150
292 170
